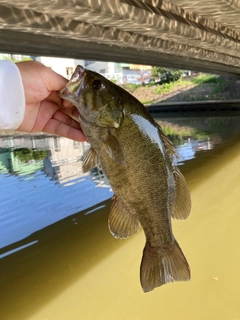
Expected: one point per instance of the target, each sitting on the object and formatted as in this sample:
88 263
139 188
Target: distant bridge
186 34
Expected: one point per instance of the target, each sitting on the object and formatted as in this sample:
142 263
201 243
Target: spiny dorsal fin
182 201
90 160
121 222
168 144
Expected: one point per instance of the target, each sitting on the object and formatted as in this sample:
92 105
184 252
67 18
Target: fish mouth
70 91
77 75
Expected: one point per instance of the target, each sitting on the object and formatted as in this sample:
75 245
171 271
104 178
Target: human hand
45 110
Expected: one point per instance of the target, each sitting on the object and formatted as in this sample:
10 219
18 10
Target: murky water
58 260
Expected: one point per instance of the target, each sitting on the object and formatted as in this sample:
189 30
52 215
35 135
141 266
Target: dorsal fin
182 201
168 144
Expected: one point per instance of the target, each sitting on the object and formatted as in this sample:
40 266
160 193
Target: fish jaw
71 91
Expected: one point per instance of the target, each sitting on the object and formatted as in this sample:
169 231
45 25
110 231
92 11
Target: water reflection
191 134
42 180
58 259
34 171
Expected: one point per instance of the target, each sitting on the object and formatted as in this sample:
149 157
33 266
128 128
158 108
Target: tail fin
160 267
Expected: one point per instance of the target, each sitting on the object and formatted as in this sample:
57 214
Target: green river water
58 260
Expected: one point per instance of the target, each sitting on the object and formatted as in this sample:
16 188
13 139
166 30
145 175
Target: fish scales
136 157
144 197
141 166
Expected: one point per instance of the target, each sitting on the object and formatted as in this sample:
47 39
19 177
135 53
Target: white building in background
121 72
110 70
118 72
103 67
63 66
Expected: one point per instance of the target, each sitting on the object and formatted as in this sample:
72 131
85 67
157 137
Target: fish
138 161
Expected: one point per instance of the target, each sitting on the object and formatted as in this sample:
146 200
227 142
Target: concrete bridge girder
197 35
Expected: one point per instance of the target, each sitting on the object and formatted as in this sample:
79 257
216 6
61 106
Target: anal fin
121 222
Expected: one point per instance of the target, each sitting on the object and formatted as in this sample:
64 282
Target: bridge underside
186 34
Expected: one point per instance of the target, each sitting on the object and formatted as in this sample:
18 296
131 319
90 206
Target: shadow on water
59 254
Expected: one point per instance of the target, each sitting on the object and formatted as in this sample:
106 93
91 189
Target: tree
164 75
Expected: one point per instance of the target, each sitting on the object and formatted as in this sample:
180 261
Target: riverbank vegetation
197 87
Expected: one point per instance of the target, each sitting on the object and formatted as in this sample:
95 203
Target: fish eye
97 84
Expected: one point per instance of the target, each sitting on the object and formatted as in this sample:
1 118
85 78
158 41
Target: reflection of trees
22 161
29 154
179 134
201 127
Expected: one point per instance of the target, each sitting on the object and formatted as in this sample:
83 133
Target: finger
53 80
61 129
64 118
71 111
67 104
54 97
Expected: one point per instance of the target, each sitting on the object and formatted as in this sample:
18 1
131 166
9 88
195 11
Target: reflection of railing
187 150
24 141
67 161
99 177
64 162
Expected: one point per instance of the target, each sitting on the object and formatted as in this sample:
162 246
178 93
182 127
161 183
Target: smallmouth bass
137 159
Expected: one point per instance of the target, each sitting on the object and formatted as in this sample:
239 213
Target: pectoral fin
121 222
111 116
182 201
113 148
90 160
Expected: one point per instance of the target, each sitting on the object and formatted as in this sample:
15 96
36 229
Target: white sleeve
12 98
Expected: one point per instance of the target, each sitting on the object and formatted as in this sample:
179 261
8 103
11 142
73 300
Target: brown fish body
142 182
136 158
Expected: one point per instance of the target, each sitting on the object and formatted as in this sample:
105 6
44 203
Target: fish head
97 99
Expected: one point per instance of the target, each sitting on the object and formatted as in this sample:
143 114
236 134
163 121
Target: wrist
12 98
